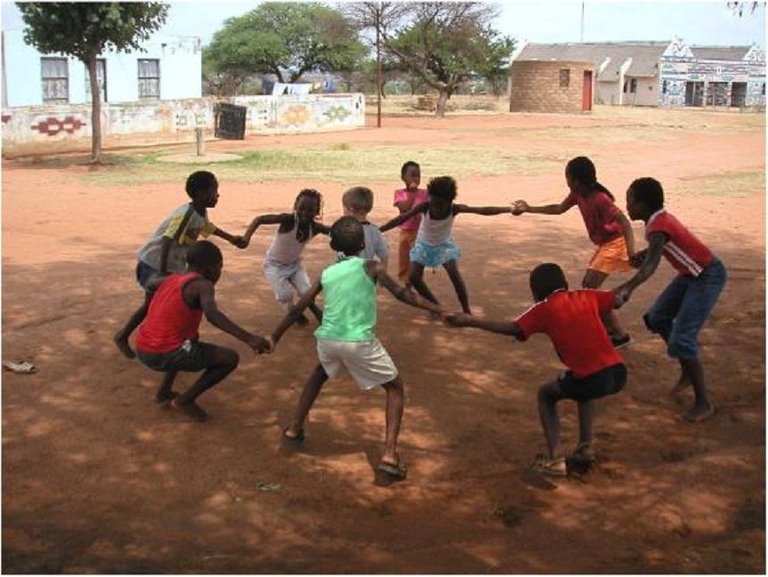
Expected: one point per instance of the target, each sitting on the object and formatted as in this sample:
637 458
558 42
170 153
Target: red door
586 91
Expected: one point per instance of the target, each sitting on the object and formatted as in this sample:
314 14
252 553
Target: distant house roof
644 56
720 52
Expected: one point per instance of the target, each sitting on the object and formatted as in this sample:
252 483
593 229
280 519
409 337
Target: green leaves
81 29
286 39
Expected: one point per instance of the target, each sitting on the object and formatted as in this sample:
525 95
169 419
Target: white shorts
367 361
287 280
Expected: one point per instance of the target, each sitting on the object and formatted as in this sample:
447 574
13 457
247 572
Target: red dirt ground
98 480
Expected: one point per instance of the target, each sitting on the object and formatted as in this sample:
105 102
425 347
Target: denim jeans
683 307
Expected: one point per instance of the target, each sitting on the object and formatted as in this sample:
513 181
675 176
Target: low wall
29 130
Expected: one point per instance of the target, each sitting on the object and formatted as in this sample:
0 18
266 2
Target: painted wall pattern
45 129
686 81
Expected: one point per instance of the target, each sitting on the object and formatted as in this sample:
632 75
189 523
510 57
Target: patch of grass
339 163
734 184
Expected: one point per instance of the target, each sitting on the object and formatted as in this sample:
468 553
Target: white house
166 69
670 73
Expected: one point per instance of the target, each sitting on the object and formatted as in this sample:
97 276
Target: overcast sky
700 22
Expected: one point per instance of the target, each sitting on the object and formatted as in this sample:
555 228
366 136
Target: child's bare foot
165 397
699 412
191 409
682 384
124 347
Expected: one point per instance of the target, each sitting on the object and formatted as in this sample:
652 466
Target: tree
86 29
442 43
285 39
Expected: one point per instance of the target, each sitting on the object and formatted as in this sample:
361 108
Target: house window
664 87
101 78
630 84
55 78
149 78
763 92
565 78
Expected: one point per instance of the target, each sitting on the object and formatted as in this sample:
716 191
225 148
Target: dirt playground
97 479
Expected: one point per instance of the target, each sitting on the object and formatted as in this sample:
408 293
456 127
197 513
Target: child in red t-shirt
680 311
168 340
607 227
574 321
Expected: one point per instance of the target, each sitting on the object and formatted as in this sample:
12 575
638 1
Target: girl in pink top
405 199
607 227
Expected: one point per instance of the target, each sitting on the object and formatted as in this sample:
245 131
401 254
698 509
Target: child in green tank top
346 339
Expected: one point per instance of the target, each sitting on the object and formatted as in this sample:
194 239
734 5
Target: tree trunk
442 102
95 111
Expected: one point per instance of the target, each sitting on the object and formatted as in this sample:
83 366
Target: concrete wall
646 92
180 71
67 128
535 86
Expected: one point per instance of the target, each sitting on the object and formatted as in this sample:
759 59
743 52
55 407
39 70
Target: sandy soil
96 479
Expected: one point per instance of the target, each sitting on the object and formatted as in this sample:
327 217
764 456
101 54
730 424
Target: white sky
708 22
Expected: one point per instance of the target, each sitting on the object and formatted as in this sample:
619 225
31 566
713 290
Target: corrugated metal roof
733 53
645 56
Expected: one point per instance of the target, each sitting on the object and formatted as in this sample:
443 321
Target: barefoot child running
608 228
684 306
358 202
167 248
282 264
434 245
573 322
168 341
346 339
405 199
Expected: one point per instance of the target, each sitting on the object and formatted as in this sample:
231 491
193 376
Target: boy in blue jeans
346 339
684 306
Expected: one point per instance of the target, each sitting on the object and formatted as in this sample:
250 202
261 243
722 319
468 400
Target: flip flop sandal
297 440
399 471
550 467
21 367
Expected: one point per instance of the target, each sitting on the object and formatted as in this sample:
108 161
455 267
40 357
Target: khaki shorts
611 257
367 361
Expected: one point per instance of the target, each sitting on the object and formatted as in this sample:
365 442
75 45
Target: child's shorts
607 381
192 356
611 257
287 279
434 255
367 361
144 272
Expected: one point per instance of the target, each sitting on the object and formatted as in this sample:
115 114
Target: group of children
178 273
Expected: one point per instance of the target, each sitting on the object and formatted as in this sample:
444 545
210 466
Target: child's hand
240 241
637 259
519 207
621 296
259 344
456 319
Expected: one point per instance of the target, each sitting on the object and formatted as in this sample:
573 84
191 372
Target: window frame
52 80
145 80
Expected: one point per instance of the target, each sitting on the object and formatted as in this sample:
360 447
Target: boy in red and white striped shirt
684 306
